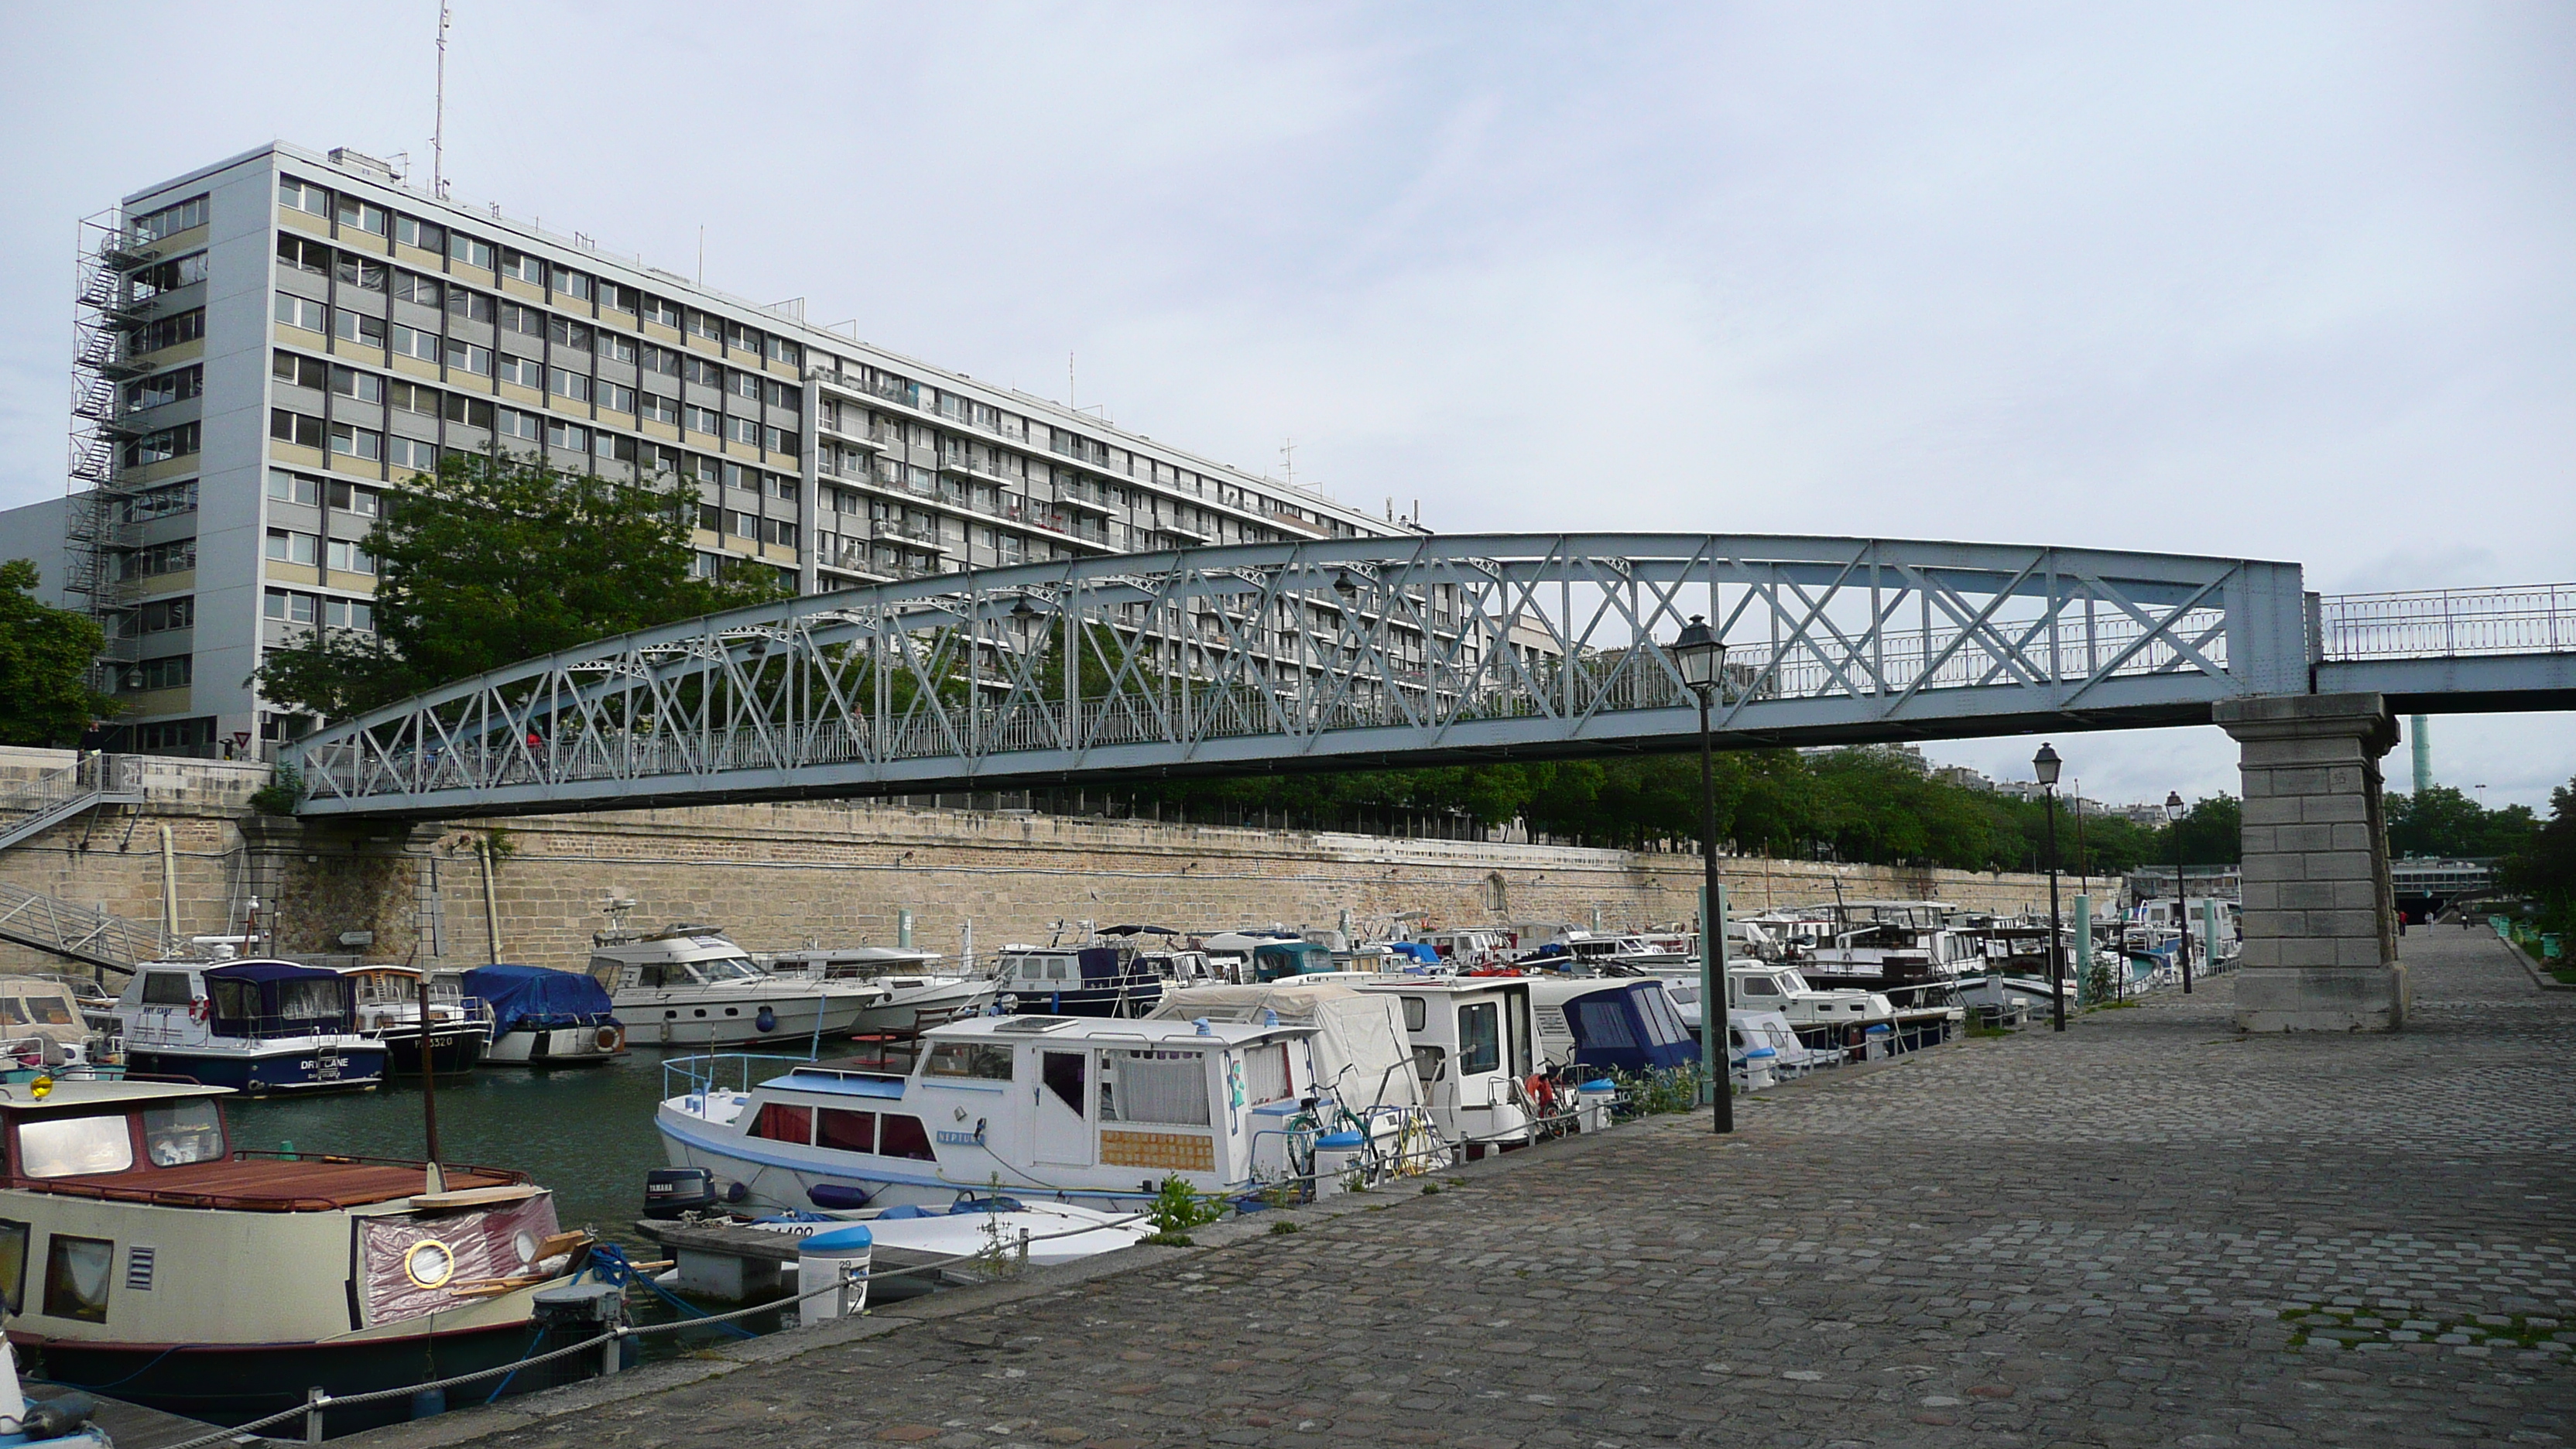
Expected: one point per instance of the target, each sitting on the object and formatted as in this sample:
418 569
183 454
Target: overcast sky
2269 281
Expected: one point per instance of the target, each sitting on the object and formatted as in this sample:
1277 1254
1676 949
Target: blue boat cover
539 998
1416 950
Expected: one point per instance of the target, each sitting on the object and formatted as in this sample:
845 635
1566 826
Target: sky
2270 281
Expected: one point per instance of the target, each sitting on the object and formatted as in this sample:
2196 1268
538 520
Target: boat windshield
74 1146
725 968
1792 982
35 1011
183 1132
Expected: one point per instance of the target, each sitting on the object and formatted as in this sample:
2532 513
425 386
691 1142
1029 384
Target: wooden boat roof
265 1184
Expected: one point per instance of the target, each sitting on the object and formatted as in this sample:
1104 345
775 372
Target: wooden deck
274 1185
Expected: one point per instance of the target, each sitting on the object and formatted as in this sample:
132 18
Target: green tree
493 561
2441 821
2213 833
2543 865
45 659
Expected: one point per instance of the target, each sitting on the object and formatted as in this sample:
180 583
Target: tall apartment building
268 344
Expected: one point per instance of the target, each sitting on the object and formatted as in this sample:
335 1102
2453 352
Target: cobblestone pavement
2147 1231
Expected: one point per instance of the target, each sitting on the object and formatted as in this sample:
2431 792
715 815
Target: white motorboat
260 1026
689 986
389 1009
918 992
546 1018
1081 1109
995 1232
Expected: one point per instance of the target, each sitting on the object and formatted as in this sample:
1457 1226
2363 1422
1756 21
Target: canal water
586 1132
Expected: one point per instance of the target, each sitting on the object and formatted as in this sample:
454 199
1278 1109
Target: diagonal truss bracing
1349 653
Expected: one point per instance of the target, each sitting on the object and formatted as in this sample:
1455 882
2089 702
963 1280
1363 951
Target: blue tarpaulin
536 998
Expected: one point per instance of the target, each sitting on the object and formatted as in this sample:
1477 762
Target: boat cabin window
902 1136
779 1122
177 1133
1480 1037
1152 1086
1417 1013
1602 1023
1663 1019
1265 1073
1062 1072
724 969
35 1011
1757 986
76 1274
974 1060
845 1131
1426 1062
13 1263
166 988
74 1146
1792 982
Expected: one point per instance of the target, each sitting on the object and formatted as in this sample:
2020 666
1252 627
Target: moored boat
918 991
255 1026
690 986
222 1284
546 1018
457 1031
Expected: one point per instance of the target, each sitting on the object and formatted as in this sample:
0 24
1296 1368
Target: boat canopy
538 998
1359 1036
279 995
1272 960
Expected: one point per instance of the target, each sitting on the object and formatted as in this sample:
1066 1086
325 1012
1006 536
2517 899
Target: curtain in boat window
1265 1073
1600 1023
1166 1087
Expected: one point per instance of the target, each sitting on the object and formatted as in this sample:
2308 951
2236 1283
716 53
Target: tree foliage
2443 822
493 561
45 656
2542 865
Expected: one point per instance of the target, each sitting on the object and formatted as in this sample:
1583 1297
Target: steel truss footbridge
1366 653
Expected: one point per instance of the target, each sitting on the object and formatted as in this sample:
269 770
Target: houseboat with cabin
255 1026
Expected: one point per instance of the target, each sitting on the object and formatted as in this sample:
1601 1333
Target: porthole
428 1263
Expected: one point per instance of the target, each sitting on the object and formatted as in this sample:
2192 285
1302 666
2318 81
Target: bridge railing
2445 623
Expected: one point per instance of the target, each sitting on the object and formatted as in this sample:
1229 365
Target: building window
349 614
187 326
170 673
177 385
473 413
160 616
617 449
359 328
779 440
743 384
296 371
290 607
161 446
659 359
351 383
743 430
570 436
616 298
357 271
658 409
411 231
162 277
745 526
616 398
525 371
170 220
168 501
472 306
696 419
302 312
366 216
288 487
782 350
355 498
569 283
466 357
613 348
303 196
286 546
511 423
298 428
706 325
564 332
522 266
412 453
350 557
563 384
356 442
779 531
469 250
175 557
662 310
418 290
412 342
526 321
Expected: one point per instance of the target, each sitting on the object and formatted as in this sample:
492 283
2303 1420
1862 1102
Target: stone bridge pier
2320 917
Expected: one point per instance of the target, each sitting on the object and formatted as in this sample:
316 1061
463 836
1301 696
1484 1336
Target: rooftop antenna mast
1288 461
438 127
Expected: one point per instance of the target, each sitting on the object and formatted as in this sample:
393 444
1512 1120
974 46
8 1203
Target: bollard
580 1310
1874 1043
314 1399
836 1255
1592 1104
1337 1156
1759 1075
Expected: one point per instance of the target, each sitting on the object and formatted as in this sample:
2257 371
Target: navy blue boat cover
538 998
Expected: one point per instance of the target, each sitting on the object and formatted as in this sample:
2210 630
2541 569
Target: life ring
200 1009
1542 1095
608 1038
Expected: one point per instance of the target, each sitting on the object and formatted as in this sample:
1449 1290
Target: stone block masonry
842 872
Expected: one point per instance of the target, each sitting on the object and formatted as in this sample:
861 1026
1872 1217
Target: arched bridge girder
1330 654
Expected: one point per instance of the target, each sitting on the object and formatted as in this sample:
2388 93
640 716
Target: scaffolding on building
104 319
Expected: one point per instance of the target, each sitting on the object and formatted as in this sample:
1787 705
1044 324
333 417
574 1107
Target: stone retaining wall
842 872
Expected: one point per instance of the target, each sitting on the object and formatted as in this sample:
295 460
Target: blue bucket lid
1599 1084
839 1240
1763 1052
1339 1141
1882 1029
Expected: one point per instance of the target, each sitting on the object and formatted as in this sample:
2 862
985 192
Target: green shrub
283 792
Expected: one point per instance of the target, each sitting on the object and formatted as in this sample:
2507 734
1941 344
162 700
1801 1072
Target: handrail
2448 623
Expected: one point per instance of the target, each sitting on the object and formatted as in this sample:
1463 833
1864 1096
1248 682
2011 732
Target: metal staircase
79 933
66 793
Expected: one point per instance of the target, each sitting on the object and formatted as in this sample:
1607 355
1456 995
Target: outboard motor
671 1192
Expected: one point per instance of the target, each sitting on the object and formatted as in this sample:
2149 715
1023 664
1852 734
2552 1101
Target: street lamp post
2182 894
1701 657
2045 765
